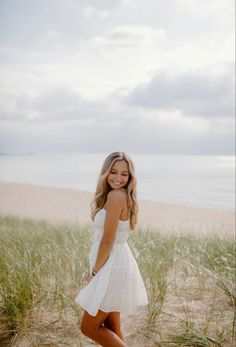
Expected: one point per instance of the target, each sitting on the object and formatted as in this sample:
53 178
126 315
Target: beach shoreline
70 205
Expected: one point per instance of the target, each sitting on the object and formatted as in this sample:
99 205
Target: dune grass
190 283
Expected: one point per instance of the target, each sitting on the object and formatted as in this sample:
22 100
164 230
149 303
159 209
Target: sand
59 205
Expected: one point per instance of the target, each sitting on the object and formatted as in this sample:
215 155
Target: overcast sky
106 75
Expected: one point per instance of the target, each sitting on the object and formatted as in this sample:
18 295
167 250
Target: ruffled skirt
118 285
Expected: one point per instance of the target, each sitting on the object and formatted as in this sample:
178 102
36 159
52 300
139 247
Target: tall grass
155 256
189 280
39 263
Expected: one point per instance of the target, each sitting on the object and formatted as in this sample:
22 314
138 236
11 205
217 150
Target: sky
153 76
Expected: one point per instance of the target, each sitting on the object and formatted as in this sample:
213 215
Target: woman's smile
119 174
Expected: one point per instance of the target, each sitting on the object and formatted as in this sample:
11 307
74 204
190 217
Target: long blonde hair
103 187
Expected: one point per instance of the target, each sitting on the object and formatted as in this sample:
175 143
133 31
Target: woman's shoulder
117 195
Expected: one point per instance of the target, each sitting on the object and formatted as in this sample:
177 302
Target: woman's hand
87 277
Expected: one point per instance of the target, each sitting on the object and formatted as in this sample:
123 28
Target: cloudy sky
104 75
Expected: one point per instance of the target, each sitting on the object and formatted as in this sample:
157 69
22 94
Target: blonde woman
114 283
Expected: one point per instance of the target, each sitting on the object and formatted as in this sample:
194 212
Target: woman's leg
112 322
92 327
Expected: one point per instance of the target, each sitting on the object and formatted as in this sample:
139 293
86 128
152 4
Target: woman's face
119 174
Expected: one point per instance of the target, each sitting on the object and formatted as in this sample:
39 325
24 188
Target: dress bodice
98 227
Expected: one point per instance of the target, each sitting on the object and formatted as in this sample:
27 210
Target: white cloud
53 33
66 74
196 94
212 52
90 12
171 133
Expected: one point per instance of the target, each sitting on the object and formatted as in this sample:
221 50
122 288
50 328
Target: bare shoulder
116 197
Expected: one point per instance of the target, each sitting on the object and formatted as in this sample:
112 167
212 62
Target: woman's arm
114 206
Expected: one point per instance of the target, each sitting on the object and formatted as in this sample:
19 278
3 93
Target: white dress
118 285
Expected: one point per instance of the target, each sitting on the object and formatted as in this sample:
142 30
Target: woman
115 285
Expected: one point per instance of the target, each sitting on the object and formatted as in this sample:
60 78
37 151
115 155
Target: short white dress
118 285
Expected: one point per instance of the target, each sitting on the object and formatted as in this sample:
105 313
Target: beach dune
187 291
59 205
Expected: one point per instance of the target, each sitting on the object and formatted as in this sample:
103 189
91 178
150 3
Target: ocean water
194 180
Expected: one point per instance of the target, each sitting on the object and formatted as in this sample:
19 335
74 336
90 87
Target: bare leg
92 327
112 322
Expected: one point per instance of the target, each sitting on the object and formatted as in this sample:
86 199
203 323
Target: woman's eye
124 175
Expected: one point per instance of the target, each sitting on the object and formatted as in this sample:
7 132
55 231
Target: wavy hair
103 187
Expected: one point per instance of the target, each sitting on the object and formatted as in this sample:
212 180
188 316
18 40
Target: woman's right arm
115 204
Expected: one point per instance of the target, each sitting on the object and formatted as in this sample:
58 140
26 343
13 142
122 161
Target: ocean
193 180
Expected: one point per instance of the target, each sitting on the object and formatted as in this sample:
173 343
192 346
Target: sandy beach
184 287
60 205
